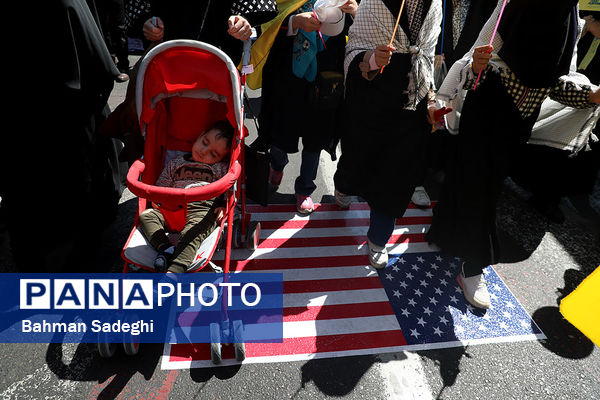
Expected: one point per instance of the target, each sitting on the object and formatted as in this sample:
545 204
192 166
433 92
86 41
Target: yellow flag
582 307
262 46
589 5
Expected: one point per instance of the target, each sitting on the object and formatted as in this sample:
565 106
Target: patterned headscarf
374 25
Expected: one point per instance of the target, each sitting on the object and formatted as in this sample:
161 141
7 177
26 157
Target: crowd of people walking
520 78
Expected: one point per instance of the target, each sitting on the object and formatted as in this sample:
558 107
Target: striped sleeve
572 94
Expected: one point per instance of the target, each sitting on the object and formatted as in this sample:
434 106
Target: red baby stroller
184 86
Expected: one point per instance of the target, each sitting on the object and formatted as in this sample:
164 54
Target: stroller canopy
182 88
191 69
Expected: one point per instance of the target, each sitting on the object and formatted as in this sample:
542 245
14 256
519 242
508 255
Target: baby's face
209 148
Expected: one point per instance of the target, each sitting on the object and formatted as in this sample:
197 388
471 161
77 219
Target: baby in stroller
207 162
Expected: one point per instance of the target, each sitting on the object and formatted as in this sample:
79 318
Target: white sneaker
420 197
378 256
475 290
342 200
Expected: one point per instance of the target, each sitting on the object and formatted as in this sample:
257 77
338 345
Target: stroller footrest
140 252
205 251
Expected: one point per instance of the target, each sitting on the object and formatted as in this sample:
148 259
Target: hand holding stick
492 39
396 29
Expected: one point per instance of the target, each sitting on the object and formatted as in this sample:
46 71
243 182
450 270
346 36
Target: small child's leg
152 225
201 221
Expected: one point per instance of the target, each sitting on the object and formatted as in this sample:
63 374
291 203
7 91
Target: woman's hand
435 115
438 60
592 26
305 21
152 32
350 7
481 57
383 55
431 109
239 27
595 96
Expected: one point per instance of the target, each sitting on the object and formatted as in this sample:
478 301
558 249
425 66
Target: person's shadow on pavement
87 365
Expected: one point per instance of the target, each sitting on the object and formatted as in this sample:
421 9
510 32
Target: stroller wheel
215 343
131 347
238 338
106 346
253 236
106 350
240 351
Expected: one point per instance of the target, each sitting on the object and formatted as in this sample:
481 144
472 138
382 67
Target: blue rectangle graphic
145 308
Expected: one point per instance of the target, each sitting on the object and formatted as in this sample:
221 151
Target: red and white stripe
334 303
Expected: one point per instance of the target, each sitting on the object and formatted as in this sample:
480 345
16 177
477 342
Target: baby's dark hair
224 130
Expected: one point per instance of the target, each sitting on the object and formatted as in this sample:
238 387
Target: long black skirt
491 129
288 110
383 144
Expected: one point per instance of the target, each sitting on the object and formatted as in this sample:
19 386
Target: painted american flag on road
336 305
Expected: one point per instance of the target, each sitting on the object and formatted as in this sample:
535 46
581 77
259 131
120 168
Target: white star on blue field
430 306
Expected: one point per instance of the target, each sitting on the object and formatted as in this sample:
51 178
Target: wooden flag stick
395 28
492 39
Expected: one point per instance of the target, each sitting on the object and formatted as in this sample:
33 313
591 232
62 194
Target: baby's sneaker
163 258
304 204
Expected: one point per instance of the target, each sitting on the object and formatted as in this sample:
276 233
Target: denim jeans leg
381 227
279 158
305 183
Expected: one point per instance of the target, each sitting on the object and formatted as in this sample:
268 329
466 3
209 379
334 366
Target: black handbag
327 91
257 175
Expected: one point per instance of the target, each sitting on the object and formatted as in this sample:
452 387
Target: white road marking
403 376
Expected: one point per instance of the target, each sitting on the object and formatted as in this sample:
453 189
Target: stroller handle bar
170 197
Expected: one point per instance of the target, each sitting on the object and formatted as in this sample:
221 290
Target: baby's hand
220 211
481 57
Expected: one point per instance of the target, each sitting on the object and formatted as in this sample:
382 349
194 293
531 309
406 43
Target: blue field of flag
431 308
